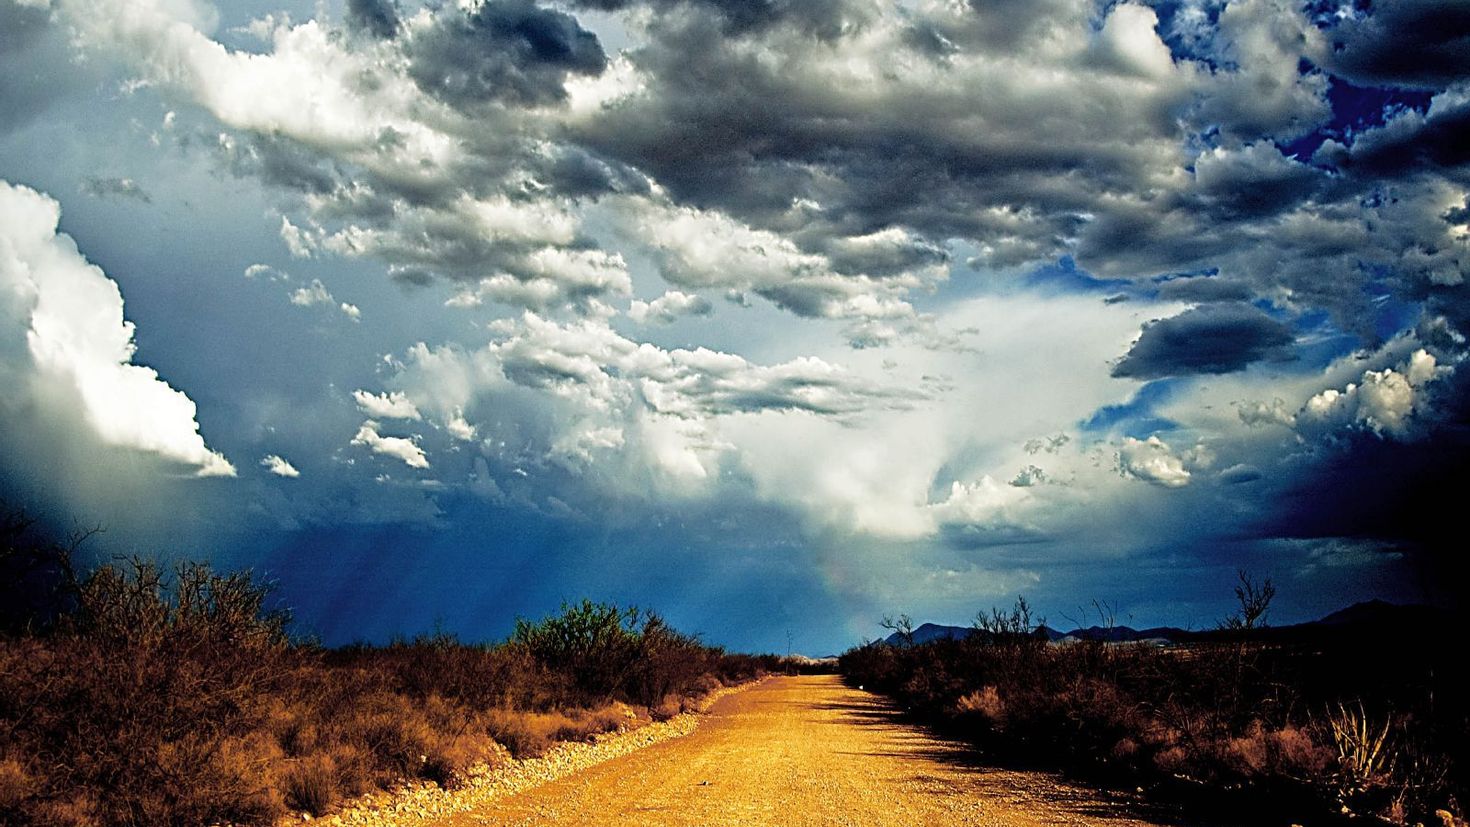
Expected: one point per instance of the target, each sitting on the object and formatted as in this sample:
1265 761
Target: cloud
459 427
1213 338
502 50
64 329
1203 289
985 508
1240 474
1265 92
830 188
699 249
588 358
114 188
1383 401
833 187
395 405
1029 476
551 278
1252 181
575 404
265 271
841 441
1151 460
279 466
1256 413
1412 140
378 18
403 449
669 307
1420 43
37 69
795 130
876 187
315 294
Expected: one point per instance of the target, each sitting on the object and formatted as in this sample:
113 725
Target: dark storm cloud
1253 182
510 52
1215 338
282 162
575 172
1203 289
1417 43
881 256
1402 493
376 17
1413 142
850 148
821 18
1458 215
724 127
926 38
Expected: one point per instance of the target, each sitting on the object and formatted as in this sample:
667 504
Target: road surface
804 751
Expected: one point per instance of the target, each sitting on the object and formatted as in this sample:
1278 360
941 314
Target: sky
775 316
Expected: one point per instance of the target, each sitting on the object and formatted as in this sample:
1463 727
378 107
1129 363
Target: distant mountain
932 631
1375 618
1382 613
1114 634
1120 634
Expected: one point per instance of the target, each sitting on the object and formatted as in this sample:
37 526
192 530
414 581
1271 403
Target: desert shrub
139 695
138 708
595 644
16 785
309 783
602 653
668 663
1236 709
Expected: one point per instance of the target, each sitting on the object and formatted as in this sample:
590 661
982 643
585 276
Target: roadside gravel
418 804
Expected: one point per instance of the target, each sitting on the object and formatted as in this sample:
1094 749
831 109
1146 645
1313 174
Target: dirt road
799 751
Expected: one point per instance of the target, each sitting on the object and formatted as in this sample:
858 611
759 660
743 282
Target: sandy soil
804 751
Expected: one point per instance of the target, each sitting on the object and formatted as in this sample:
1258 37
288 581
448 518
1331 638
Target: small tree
595 643
903 626
1002 627
1255 601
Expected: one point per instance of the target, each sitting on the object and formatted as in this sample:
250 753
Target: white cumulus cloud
316 293
279 466
69 315
1383 401
392 405
1151 460
669 307
405 449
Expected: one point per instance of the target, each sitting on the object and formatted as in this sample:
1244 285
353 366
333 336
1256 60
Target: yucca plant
1365 755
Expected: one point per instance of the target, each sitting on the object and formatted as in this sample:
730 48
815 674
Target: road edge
422 804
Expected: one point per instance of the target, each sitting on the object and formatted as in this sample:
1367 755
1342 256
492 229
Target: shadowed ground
805 750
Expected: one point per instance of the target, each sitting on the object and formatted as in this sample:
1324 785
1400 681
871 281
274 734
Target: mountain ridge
1375 615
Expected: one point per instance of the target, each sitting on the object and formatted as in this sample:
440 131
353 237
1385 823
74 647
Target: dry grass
530 734
1371 727
145 697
